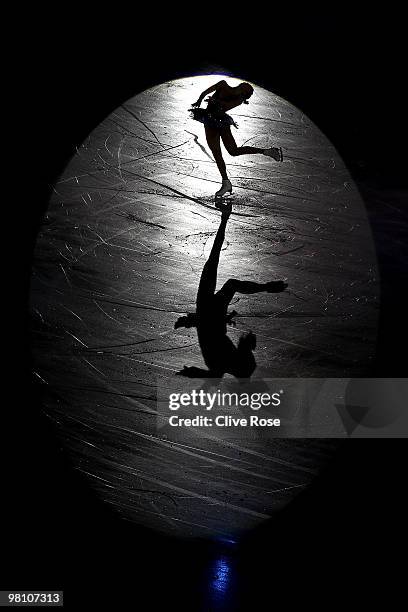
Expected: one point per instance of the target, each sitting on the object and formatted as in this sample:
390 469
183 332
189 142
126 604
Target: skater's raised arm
207 91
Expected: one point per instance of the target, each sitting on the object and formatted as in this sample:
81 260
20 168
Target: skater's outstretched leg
232 148
233 286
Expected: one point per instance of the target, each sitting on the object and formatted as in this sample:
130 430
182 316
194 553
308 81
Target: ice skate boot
276 286
225 188
275 152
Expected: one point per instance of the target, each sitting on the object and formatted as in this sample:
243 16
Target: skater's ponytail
249 91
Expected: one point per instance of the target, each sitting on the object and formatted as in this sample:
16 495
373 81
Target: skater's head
246 90
245 363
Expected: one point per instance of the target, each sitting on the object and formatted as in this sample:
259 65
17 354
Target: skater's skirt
213 119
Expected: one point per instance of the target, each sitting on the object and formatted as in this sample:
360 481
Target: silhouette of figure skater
219 352
217 124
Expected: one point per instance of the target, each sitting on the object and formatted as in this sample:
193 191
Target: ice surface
118 260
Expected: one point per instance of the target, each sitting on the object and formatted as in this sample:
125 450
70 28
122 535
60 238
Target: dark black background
345 69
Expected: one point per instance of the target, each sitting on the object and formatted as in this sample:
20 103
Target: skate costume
213 115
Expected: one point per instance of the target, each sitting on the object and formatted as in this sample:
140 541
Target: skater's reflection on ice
211 318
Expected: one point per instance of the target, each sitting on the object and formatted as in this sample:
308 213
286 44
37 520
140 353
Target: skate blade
225 196
222 205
